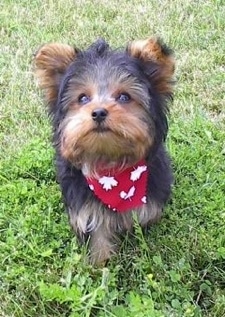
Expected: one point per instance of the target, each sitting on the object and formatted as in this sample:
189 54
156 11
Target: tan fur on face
130 128
152 50
51 62
126 142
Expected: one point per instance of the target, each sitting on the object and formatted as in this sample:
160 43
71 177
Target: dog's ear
163 64
50 63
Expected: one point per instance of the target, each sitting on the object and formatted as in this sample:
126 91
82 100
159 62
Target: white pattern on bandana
136 174
108 182
129 194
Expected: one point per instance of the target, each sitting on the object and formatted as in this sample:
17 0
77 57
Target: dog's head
109 106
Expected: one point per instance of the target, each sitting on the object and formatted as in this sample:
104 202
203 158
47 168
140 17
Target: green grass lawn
178 268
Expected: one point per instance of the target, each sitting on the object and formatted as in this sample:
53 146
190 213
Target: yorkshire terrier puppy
109 113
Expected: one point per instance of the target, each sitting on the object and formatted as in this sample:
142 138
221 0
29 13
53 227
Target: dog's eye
123 98
83 99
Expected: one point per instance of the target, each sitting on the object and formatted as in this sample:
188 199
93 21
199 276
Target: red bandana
123 190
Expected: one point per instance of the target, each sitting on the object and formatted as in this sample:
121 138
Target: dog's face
108 107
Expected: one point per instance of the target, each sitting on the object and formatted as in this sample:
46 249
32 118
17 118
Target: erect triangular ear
154 50
51 62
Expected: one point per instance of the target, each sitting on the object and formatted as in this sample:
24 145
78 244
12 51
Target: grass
177 269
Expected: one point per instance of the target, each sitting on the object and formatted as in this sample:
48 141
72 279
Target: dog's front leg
92 224
102 245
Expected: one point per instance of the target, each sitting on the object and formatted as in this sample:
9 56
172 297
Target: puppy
109 114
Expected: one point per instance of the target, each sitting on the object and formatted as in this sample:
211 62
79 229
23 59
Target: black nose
99 115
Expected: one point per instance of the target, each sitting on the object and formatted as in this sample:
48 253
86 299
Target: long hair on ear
158 66
50 64
154 51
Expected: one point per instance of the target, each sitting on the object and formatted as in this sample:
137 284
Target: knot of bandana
122 191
